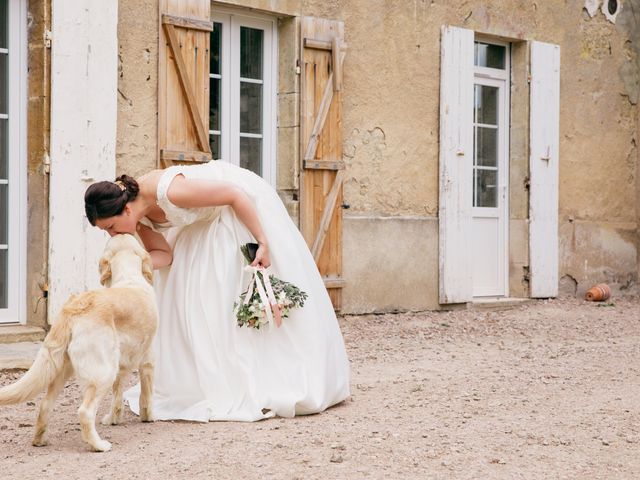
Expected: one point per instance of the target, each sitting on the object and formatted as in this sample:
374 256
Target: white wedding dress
208 368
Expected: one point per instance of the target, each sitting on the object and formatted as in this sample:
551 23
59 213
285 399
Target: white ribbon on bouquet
268 298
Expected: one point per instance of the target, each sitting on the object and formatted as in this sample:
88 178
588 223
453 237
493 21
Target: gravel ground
546 390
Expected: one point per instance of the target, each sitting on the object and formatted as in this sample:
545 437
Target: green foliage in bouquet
253 313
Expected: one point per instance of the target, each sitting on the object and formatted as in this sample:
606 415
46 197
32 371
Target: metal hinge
527 182
46 164
47 38
298 67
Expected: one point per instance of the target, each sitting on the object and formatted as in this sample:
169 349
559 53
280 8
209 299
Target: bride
193 220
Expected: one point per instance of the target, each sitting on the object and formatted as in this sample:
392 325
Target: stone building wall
390 130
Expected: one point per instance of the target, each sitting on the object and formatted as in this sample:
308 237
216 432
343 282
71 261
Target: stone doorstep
19 345
498 303
20 333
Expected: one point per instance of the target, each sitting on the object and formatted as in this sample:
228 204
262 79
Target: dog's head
120 246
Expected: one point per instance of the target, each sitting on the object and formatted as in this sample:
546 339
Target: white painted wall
84 66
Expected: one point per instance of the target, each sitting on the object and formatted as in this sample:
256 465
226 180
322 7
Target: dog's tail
48 364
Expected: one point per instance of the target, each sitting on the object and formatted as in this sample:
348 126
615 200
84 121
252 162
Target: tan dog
99 335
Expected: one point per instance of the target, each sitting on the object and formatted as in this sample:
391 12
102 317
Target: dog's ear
147 268
105 268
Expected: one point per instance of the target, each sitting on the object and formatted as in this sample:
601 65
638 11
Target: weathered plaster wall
390 128
391 123
136 149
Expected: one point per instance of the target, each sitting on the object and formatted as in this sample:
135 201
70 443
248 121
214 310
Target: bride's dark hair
107 199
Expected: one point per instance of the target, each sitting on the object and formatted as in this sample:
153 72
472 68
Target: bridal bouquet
267 298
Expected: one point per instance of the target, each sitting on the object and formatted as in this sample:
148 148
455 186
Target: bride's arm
156 245
194 193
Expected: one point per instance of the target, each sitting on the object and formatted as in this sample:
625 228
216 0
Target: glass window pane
214 143
486 105
4 77
4 279
251 154
250 107
4 23
4 145
4 213
214 104
491 56
485 188
216 42
486 147
251 53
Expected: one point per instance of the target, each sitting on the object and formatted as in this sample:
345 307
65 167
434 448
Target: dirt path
547 390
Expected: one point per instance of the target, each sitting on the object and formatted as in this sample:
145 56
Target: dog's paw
109 419
40 442
146 416
101 446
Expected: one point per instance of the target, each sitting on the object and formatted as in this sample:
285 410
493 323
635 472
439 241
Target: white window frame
501 79
231 21
17 172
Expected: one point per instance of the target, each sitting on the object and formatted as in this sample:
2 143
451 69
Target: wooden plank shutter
183 83
456 163
544 147
322 54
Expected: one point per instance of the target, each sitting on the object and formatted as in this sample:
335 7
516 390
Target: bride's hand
262 256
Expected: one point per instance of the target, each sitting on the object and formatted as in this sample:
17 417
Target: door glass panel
214 104
250 107
4 274
4 78
214 143
215 48
486 105
251 154
485 188
4 148
486 146
4 213
4 21
215 87
488 55
251 50
251 98
485 149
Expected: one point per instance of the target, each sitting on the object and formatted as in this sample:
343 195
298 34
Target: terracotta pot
598 293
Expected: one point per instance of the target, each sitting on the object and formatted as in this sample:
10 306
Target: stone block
288 110
288 55
288 157
390 264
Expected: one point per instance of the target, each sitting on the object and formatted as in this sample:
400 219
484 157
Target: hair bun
131 186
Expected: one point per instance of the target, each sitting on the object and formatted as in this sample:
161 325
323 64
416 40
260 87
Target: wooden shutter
456 163
544 147
183 83
322 173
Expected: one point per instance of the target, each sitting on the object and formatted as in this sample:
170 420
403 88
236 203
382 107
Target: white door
490 171
13 165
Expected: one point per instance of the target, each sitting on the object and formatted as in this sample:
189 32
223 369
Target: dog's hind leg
114 417
42 423
87 413
146 391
